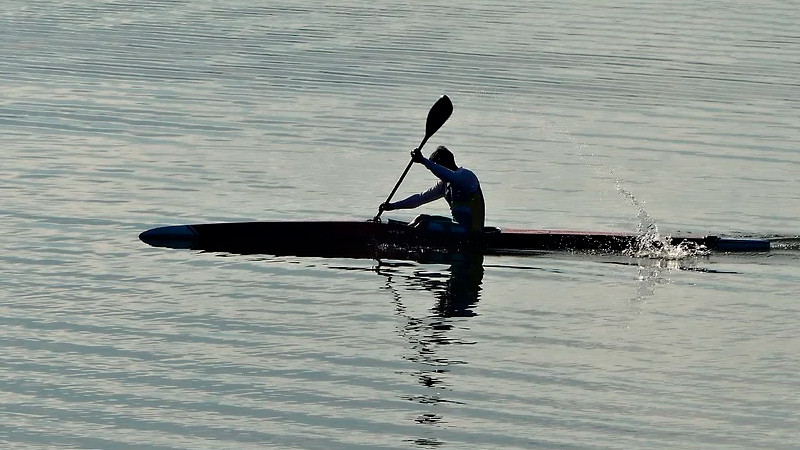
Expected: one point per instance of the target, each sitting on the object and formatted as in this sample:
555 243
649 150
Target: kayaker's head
444 158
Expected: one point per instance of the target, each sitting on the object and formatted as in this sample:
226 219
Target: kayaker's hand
416 155
385 207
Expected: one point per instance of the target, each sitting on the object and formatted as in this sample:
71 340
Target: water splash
649 241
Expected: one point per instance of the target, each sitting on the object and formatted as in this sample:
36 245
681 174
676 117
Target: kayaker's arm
413 201
441 172
462 179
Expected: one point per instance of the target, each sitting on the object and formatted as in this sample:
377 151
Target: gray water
116 117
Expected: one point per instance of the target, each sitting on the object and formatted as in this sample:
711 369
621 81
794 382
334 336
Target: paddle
437 116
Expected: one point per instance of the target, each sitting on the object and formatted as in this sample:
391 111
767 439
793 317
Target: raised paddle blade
437 116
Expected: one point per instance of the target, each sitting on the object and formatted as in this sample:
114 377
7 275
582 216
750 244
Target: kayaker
459 186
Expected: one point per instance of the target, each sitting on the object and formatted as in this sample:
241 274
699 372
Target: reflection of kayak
382 239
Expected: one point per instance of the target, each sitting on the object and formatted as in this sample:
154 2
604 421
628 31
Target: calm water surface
117 117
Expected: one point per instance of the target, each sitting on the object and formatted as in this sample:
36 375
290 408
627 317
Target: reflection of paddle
437 116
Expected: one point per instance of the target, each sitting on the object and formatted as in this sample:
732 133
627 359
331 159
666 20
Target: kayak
375 240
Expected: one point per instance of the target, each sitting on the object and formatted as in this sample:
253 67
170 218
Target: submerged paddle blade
437 116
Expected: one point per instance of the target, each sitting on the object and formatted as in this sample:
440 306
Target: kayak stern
741 245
